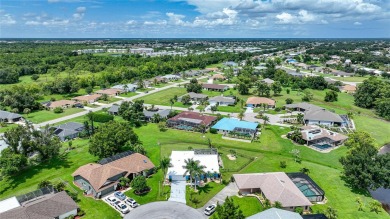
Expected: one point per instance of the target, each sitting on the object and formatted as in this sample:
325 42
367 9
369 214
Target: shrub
139 185
289 101
283 164
299 210
58 110
34 77
278 109
213 131
81 213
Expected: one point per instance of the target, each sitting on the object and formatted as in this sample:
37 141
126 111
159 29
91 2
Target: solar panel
115 157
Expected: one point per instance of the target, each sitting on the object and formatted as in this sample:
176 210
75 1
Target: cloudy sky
194 18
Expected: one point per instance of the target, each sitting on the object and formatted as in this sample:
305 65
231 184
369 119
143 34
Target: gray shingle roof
163 113
9 115
194 95
49 206
322 115
114 109
223 99
304 105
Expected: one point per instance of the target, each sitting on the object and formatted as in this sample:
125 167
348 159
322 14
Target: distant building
222 101
114 109
163 113
228 125
9 117
194 96
87 98
268 81
314 135
60 103
110 91
258 101
215 87
68 130
126 87
191 121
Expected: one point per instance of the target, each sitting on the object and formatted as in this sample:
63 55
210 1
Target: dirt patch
231 157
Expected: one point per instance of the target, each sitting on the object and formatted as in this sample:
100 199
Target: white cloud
80 12
286 18
6 19
131 22
33 23
158 22
357 23
301 18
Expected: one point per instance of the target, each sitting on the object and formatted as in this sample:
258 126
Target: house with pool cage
320 138
308 187
191 121
232 127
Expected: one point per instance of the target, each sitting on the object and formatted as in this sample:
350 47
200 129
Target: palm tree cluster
194 170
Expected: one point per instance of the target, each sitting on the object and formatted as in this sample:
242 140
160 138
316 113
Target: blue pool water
322 146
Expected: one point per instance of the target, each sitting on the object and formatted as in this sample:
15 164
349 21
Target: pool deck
322 150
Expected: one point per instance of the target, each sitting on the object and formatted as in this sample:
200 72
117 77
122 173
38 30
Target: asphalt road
164 210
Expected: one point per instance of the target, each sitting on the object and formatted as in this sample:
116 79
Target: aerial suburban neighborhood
221 128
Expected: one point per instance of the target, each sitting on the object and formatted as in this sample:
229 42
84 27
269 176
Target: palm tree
300 118
126 88
189 167
304 170
165 163
198 171
171 101
156 118
139 148
90 117
331 213
27 111
241 115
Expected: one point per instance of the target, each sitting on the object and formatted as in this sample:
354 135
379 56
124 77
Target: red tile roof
206 120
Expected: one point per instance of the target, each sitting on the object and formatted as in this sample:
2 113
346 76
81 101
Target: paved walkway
230 190
164 210
178 191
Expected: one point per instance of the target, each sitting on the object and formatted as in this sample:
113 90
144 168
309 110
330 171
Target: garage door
178 178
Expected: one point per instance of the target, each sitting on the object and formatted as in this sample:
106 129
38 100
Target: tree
277 204
186 99
165 163
58 109
289 101
331 213
375 206
283 164
88 90
263 89
139 184
363 167
156 118
137 147
46 143
60 186
214 108
296 154
228 210
110 138
265 120
189 167
276 88
171 101
300 118
308 96
34 77
11 163
382 107
243 88
27 111
124 181
132 112
241 114
104 97
368 91
331 96
194 86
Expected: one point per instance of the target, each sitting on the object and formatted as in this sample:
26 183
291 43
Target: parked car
111 200
124 209
210 209
120 195
131 202
117 203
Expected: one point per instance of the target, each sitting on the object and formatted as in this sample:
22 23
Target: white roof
9 204
210 161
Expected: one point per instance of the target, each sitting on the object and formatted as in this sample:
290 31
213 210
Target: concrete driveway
164 210
178 191
230 190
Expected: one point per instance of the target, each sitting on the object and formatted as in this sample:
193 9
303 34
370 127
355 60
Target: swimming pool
322 146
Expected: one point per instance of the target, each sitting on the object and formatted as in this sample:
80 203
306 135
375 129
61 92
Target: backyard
47 115
163 97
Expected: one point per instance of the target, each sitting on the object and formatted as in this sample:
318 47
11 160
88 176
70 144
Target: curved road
164 210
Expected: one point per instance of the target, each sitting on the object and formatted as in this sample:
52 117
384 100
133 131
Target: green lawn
128 94
46 115
203 195
230 109
163 97
248 205
351 79
7 127
110 100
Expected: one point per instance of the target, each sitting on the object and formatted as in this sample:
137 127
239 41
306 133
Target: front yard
47 115
163 97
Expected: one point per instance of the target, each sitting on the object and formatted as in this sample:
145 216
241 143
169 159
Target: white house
206 157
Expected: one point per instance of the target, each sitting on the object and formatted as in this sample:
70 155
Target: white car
124 209
131 202
111 200
210 209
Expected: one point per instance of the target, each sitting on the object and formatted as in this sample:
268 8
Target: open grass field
163 97
350 79
46 115
248 205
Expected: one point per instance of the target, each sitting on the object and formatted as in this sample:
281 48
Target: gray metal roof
304 105
71 126
275 213
9 115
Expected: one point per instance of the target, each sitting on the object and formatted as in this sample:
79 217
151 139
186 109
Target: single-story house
324 117
230 63
9 117
159 79
258 101
228 125
215 87
87 98
49 206
99 179
114 109
275 213
192 121
222 101
331 62
268 81
341 73
163 113
126 87
302 107
206 157
68 130
350 89
314 135
171 77
218 77
110 91
60 103
194 96
276 187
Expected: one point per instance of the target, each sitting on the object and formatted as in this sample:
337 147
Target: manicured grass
110 100
203 194
180 104
248 205
46 115
230 109
128 94
7 127
378 129
163 97
350 79
232 164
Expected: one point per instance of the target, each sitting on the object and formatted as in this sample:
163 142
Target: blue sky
194 18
